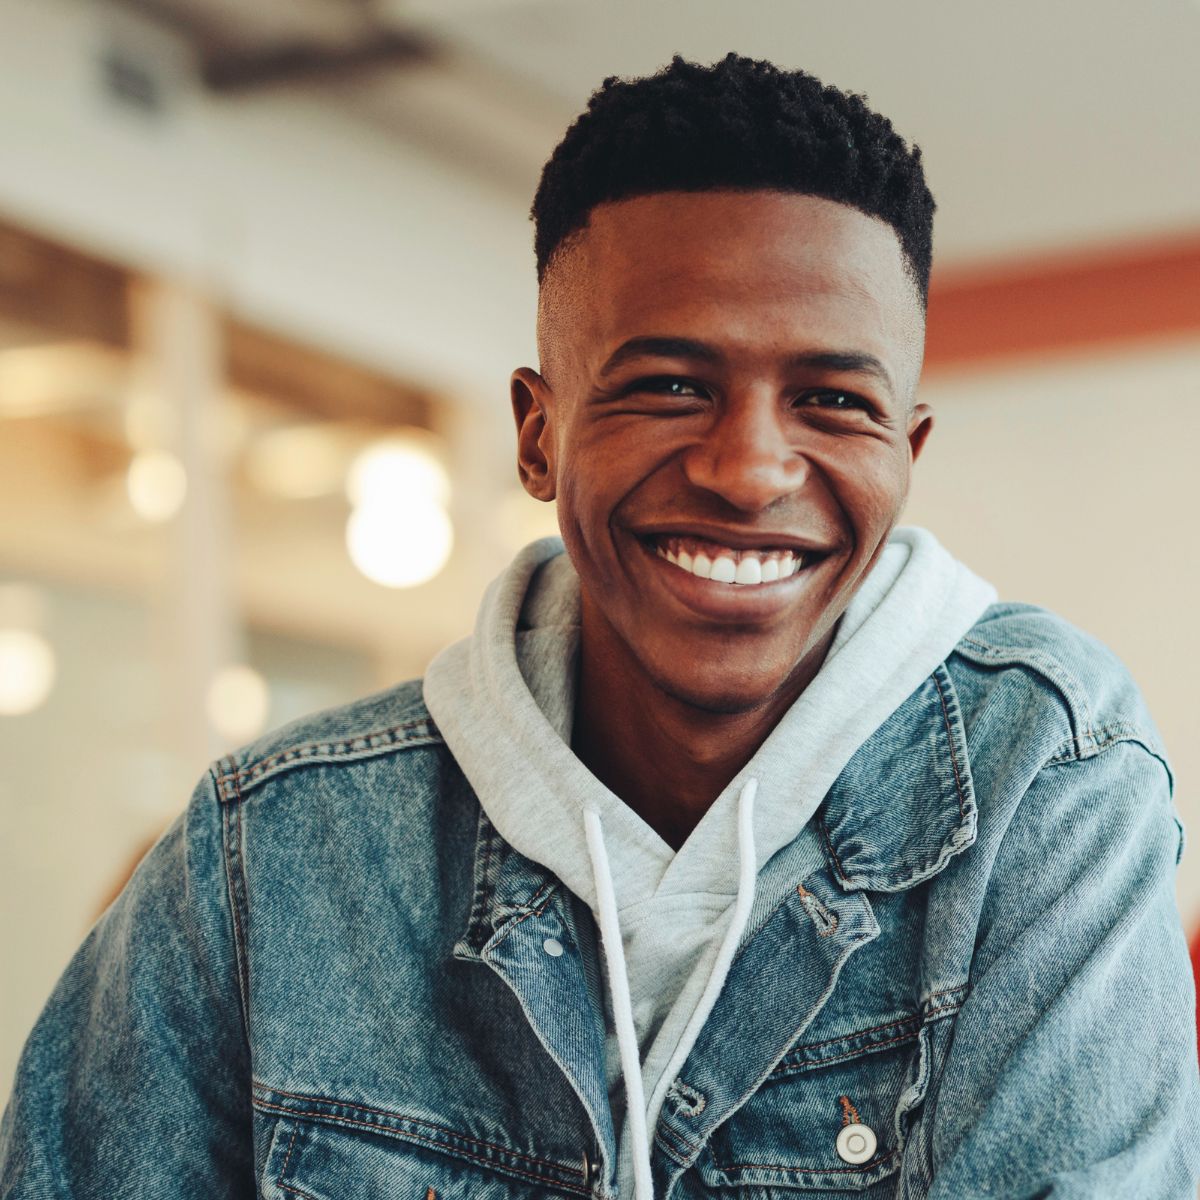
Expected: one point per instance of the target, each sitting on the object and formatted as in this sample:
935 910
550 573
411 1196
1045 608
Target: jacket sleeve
135 1079
1072 1073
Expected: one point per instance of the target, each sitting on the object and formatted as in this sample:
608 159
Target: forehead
753 267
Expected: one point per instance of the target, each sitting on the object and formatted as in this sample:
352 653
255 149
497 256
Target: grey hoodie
671 922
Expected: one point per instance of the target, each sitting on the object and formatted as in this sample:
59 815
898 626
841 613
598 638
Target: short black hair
740 123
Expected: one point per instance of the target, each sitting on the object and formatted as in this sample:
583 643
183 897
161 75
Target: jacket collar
901 809
905 803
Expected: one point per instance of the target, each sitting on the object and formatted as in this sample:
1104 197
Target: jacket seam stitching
377 742
1093 741
288 1157
395 1116
288 1187
683 1150
860 1169
918 1017
785 1066
958 786
232 856
908 1035
441 1145
959 795
1042 664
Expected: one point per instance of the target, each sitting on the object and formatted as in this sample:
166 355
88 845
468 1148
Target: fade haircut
738 124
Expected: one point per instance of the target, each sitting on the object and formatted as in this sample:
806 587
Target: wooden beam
318 384
1063 303
239 71
68 294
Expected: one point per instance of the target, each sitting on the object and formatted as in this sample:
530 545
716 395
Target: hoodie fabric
671 921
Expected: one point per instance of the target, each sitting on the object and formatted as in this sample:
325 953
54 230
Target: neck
665 758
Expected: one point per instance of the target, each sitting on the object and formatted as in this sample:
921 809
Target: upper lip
735 539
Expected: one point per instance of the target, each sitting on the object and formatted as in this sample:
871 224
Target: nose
747 455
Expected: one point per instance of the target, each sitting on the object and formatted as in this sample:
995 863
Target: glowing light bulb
27 671
156 484
398 470
399 546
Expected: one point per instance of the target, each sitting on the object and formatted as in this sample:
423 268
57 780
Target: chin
723 695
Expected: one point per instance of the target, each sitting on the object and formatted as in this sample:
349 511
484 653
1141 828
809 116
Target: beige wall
1073 484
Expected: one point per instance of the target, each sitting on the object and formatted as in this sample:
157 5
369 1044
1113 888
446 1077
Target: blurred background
265 269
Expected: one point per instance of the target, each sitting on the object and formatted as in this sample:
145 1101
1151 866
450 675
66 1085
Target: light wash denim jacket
331 979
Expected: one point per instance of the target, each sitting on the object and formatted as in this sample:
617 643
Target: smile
727 564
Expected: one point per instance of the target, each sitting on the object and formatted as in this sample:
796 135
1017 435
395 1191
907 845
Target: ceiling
1043 125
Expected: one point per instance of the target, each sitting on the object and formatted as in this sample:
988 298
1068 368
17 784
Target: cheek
871 488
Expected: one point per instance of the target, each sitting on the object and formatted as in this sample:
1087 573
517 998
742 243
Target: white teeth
743 568
749 570
724 570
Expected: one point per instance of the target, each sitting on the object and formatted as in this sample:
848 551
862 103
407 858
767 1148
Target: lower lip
728 601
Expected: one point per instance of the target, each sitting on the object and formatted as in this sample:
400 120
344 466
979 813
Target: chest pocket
830 1120
311 1160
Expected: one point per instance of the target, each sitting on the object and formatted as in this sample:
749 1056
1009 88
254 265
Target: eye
667 385
833 398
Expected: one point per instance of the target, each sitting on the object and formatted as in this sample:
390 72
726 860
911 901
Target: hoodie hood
670 922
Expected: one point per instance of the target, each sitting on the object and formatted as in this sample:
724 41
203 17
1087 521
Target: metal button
856 1143
552 947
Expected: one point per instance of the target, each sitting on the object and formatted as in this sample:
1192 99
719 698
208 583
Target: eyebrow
850 361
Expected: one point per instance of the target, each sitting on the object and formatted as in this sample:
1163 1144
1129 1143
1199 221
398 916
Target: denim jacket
331 979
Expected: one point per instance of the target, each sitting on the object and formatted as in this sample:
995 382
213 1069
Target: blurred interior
265 269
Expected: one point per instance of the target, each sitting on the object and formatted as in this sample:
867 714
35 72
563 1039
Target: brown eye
667 385
838 401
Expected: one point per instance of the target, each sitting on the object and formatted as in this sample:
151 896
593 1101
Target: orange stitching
683 1148
849 1112
837 862
288 1157
431 1195
831 917
288 1187
487 1162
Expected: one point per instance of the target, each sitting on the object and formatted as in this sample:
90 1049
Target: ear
535 445
920 425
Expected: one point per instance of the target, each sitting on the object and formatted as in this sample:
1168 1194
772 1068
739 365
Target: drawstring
614 955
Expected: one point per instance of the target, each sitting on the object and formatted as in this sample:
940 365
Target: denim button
552 947
856 1143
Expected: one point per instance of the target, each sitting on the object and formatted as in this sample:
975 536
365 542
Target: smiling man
749 847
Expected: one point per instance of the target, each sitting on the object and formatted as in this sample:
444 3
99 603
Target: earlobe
530 407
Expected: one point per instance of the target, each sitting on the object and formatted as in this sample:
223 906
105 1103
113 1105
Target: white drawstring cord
747 879
614 955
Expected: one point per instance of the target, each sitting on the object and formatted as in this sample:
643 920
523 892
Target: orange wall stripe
1119 294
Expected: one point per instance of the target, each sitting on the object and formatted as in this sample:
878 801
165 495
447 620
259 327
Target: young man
747 848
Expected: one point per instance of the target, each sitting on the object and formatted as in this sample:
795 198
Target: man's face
726 390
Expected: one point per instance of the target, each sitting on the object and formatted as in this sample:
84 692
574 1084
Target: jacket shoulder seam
235 887
992 656
1091 742
234 780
